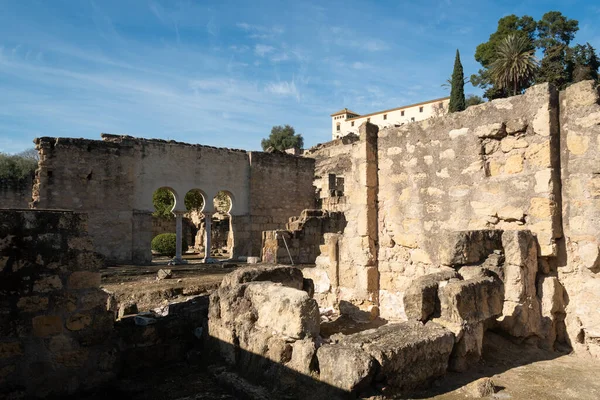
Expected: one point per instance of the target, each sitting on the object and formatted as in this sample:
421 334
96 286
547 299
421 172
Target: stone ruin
427 236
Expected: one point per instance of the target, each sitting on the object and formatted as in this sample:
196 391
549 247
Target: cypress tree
457 93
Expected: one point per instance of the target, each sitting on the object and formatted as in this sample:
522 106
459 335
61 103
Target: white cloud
262 49
283 88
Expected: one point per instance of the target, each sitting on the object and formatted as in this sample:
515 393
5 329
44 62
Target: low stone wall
58 334
55 331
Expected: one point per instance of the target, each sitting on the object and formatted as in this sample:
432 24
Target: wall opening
222 238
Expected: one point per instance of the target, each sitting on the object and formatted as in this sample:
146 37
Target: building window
352 123
338 127
402 113
412 119
384 116
421 109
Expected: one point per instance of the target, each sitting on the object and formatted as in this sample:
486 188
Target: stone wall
578 269
303 237
55 330
493 166
113 181
15 193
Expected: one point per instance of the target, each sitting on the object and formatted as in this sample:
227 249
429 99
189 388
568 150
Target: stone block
467 247
287 276
32 304
409 353
47 325
471 301
47 284
10 349
320 279
467 350
345 367
421 296
84 280
286 311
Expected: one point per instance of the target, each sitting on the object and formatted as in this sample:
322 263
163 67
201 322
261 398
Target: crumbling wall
333 165
113 181
55 331
303 236
579 267
15 193
493 166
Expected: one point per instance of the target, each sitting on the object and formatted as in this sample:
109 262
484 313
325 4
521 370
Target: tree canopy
19 166
515 64
283 138
457 90
552 35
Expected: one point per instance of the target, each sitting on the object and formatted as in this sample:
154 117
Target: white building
346 121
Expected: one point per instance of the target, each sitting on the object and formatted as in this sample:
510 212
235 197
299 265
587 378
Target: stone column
178 227
207 233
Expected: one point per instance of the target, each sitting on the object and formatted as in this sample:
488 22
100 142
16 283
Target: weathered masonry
113 180
415 195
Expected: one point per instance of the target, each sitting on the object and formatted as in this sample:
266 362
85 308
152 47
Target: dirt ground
519 372
134 283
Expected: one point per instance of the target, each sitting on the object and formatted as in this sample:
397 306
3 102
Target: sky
222 73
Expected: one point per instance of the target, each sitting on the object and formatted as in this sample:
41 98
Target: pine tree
457 92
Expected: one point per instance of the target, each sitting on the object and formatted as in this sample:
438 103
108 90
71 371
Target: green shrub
165 244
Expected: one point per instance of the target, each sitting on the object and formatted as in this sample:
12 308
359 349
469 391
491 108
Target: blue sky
222 73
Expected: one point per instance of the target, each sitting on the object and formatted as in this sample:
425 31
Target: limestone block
471 301
551 294
467 247
303 355
515 126
84 280
10 349
581 94
541 122
286 311
345 367
542 207
543 181
458 132
578 144
514 164
287 276
467 351
589 255
421 296
409 353
539 154
496 130
47 284
420 256
511 213
32 304
320 279
47 325
519 248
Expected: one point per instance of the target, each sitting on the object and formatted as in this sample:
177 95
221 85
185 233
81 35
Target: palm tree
515 63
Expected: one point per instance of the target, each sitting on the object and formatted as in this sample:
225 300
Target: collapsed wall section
493 166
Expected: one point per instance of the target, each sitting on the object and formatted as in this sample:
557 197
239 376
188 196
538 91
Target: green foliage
457 91
561 65
473 100
515 64
193 200
283 138
555 29
166 243
17 167
222 202
584 63
163 201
